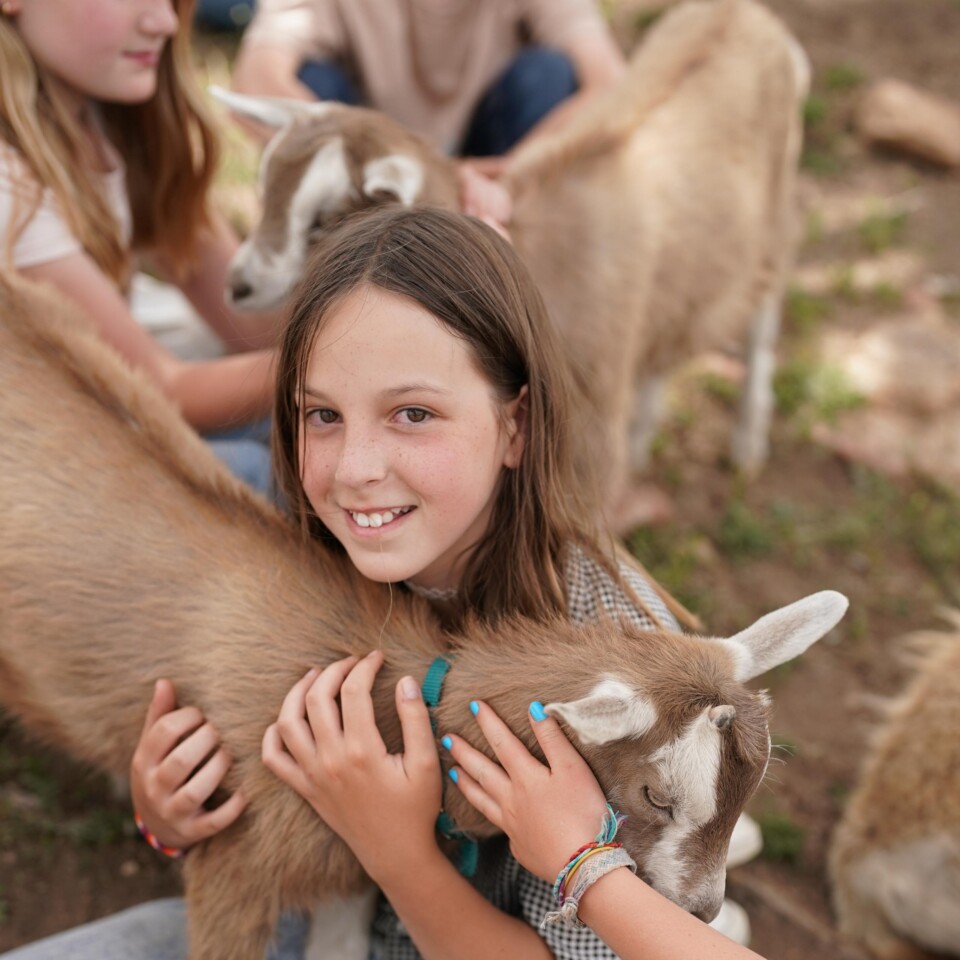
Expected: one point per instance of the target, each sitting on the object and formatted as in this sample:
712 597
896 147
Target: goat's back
129 553
680 181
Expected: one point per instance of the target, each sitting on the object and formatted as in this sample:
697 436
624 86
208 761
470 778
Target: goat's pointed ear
394 177
273 112
786 633
610 711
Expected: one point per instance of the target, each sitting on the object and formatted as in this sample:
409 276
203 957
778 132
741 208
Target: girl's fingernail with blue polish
454 776
537 711
447 743
474 707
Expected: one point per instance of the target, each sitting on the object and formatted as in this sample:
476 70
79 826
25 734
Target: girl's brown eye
324 415
416 415
657 802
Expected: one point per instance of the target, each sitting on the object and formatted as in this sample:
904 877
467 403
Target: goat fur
129 553
895 856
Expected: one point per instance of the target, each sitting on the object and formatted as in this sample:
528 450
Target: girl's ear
516 425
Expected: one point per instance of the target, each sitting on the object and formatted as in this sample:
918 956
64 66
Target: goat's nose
240 290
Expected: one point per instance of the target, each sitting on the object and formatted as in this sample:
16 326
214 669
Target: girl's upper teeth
378 519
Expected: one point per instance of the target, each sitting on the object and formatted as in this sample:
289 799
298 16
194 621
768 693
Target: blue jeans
246 451
534 83
156 930
224 14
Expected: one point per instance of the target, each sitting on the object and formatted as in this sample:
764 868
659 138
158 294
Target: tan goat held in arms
129 553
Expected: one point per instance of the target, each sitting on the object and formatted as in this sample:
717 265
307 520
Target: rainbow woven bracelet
174 853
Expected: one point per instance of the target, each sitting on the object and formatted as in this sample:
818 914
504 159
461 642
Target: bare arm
204 286
548 811
598 63
385 807
211 394
269 72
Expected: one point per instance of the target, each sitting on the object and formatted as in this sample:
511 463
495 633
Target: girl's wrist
404 866
174 853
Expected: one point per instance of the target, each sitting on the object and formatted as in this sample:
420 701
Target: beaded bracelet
175 853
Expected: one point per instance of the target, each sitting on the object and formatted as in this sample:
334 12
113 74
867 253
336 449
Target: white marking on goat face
270 263
688 770
610 711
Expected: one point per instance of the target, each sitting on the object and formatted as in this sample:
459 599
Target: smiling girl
106 155
423 435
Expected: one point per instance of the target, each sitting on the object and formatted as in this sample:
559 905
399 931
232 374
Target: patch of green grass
841 77
720 388
673 560
814 111
886 296
815 229
813 392
742 533
805 311
782 838
822 161
882 230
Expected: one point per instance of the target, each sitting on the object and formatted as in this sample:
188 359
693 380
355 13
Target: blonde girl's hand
547 810
177 765
383 805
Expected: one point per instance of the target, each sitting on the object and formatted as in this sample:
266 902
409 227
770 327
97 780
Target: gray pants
156 930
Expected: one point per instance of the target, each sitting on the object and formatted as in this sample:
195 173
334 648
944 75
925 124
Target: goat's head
325 161
679 744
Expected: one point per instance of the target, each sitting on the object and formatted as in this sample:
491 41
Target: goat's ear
786 633
394 177
610 711
273 112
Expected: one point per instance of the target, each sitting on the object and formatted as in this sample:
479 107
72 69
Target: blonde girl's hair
167 145
471 279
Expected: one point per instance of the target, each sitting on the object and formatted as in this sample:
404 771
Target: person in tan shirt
473 76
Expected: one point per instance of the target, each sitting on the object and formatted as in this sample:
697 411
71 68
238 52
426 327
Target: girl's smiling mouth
378 518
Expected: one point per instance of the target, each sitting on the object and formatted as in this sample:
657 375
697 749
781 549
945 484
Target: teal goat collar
468 851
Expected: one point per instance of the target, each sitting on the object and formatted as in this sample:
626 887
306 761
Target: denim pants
535 81
156 930
246 451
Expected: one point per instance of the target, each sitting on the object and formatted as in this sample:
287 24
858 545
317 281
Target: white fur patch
612 710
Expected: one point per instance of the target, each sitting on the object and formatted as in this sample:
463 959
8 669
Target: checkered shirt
499 877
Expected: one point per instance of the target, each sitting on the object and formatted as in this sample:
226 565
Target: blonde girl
106 155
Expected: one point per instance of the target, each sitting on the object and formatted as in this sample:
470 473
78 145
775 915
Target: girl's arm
211 394
178 764
549 811
204 287
385 807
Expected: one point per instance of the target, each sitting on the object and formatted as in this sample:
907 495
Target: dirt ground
733 550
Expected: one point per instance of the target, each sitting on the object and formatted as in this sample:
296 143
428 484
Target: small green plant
742 533
882 230
805 311
782 838
886 296
814 111
814 392
720 388
842 77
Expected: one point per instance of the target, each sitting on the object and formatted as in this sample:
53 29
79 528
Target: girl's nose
160 18
362 459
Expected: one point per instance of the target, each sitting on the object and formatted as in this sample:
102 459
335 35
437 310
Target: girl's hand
548 812
176 767
483 197
383 805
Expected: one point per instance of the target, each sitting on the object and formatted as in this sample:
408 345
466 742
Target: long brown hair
468 277
167 144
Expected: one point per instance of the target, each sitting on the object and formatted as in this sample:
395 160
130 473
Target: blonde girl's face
102 49
402 440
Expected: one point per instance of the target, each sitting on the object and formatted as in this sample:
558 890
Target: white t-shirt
46 236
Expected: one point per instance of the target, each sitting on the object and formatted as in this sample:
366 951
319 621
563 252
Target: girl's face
402 440
103 49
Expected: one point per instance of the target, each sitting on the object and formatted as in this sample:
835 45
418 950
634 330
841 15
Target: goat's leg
751 440
340 929
229 915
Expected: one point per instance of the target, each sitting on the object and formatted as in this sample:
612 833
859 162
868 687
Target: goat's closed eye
657 802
